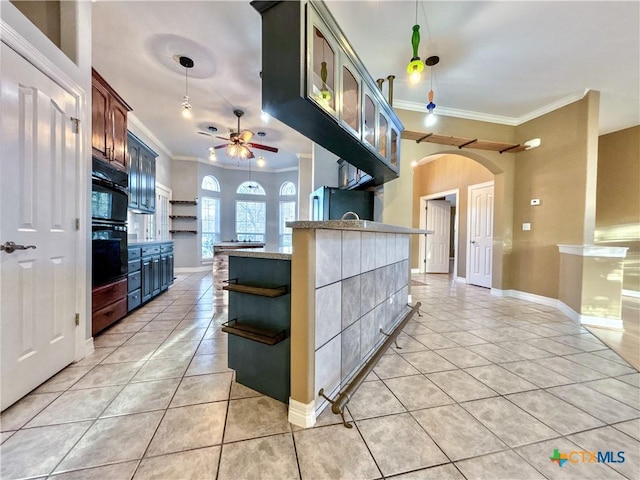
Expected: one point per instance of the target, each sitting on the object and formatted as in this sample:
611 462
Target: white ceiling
501 61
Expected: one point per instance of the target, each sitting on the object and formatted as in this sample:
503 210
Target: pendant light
431 117
325 94
187 63
415 67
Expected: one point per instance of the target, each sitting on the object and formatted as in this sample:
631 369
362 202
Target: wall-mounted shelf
183 231
249 332
255 290
184 202
183 217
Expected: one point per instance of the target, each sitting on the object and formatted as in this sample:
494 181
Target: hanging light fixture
431 117
415 67
260 162
187 63
212 154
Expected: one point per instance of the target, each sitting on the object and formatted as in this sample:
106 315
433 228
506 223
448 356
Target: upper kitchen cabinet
109 123
313 81
142 176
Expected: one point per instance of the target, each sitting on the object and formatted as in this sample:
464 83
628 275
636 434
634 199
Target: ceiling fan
239 142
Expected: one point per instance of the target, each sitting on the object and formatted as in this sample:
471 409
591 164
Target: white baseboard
461 279
415 270
302 414
630 293
586 320
192 269
409 299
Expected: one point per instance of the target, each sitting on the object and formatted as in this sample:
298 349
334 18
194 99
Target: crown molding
486 117
143 128
205 161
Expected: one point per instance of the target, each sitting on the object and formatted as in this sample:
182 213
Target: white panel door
38 170
437 244
480 235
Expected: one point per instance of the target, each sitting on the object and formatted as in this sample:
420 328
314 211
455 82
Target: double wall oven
109 202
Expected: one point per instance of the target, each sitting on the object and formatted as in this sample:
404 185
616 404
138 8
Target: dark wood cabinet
109 123
108 304
142 176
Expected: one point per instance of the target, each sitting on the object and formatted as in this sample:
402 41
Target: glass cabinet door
323 59
369 130
350 99
395 139
383 140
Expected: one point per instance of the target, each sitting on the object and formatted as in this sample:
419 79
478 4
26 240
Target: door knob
11 247
473 241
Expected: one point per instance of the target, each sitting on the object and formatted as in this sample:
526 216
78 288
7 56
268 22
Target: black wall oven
109 201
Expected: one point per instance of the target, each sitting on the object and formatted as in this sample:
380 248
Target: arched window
287 212
210 215
287 188
250 188
209 182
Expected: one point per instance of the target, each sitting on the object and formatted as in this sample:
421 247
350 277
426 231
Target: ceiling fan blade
223 138
205 133
245 136
218 147
263 147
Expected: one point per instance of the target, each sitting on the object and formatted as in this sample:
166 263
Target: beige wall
618 199
447 173
558 173
561 173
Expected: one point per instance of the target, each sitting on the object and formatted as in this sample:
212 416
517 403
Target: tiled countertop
361 225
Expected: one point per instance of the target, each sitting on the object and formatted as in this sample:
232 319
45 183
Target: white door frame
423 226
15 41
469 188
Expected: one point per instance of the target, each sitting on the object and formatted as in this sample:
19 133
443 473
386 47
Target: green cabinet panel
142 176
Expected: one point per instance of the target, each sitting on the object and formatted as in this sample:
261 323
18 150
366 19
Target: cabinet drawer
134 253
167 247
107 294
134 266
105 316
154 250
134 299
135 280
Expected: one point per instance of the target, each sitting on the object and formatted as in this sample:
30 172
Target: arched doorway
454 177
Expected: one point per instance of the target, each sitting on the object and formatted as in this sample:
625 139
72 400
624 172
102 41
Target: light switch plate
526 227
535 201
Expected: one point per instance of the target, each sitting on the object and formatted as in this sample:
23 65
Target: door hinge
77 224
75 125
77 319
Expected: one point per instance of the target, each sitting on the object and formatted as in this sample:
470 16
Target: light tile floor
481 388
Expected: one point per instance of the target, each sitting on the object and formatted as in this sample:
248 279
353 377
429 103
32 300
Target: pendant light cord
416 12
186 80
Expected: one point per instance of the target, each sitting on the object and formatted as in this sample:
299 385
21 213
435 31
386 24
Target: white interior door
38 172
480 234
437 244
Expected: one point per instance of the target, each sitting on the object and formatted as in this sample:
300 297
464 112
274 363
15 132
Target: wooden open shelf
249 332
254 290
183 217
183 202
184 231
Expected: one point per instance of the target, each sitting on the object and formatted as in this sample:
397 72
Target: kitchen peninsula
317 312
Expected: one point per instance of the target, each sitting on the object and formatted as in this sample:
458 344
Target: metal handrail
341 401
